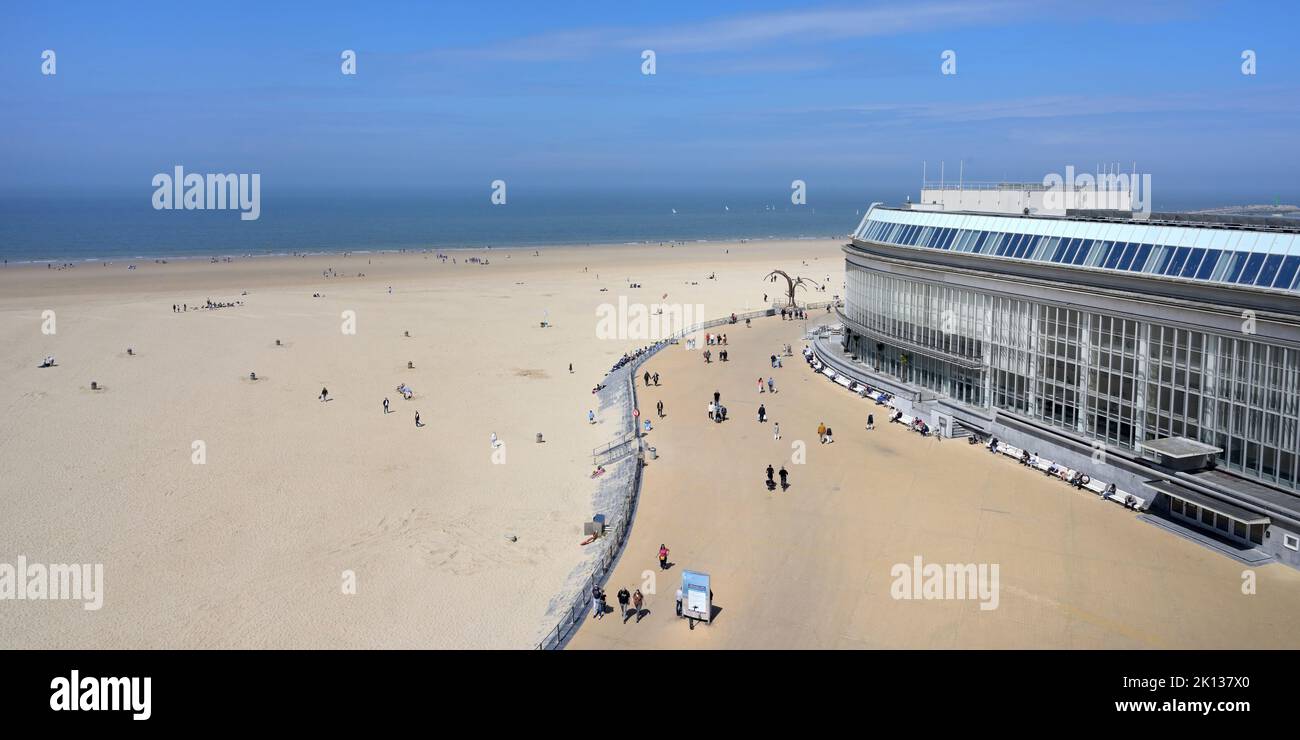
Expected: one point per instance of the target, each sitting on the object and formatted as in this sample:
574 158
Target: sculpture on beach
791 284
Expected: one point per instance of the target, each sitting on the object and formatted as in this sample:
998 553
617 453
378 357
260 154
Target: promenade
811 567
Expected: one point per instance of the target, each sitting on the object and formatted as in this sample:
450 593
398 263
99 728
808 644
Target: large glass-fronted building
1083 332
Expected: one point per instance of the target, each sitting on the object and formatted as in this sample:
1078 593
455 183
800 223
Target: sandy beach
297 497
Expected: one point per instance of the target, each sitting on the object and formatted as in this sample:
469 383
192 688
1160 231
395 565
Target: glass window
1140 259
1193 260
1026 246
1071 249
1176 264
1207 264
1234 270
1113 253
1286 274
1161 259
1269 271
1087 252
1009 244
1252 268
1126 259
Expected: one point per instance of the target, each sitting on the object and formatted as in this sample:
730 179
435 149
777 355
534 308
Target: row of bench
1096 486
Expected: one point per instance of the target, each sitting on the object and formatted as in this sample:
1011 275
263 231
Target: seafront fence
621 525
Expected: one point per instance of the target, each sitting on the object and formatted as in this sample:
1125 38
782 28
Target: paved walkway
811 567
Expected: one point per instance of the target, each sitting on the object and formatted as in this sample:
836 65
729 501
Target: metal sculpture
791 284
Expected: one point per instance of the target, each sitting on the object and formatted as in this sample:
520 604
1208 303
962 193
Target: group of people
712 339
824 433
793 314
211 304
784 475
771 385
649 377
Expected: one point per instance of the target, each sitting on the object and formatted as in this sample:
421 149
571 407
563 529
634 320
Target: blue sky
748 95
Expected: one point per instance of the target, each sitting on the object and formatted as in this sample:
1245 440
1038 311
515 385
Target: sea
90 227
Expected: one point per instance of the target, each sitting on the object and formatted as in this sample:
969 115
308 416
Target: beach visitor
762 413
659 407
712 407
637 601
417 420
663 557
760 385
623 598
591 416
656 378
494 441
679 602
385 405
821 432
647 378
871 421
828 435
784 475
770 472
771 385
717 397
324 394
776 430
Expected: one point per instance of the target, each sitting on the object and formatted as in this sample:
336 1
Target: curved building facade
1166 352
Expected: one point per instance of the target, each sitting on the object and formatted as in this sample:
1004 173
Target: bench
843 381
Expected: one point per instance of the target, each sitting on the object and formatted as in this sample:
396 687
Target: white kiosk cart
697 597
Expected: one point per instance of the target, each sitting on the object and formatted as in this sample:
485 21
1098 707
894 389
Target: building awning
1180 448
1231 511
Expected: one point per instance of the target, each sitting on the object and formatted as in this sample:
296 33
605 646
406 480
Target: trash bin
654 454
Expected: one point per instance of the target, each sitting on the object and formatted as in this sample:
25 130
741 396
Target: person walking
591 416
637 601
712 409
324 394
762 413
828 436
871 421
770 473
647 378
679 602
771 385
385 406
663 557
659 407
623 598
655 377
776 430
821 432
760 385
784 475
597 606
717 396
417 420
